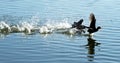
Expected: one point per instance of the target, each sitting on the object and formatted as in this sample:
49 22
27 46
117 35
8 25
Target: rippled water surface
55 47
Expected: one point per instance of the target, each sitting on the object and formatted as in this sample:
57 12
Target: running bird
78 25
92 28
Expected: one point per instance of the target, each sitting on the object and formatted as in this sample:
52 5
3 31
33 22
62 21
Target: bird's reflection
91 48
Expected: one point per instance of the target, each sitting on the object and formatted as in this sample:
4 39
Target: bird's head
98 27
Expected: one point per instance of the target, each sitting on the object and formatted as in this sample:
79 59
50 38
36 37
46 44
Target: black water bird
78 25
92 28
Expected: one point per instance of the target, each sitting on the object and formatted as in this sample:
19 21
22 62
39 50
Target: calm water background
61 48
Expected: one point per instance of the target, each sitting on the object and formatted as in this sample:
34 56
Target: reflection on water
91 48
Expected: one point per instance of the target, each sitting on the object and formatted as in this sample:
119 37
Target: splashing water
32 25
4 27
45 29
51 27
58 24
28 25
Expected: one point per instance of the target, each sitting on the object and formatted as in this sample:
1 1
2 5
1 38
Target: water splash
52 26
63 24
45 30
4 27
32 26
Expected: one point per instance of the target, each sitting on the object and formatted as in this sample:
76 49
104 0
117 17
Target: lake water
24 46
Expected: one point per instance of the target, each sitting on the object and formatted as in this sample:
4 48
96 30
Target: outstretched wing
93 21
92 24
80 22
77 24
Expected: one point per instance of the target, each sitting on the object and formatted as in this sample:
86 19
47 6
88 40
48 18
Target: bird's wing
80 22
92 24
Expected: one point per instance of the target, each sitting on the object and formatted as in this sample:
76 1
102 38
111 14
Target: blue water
58 47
